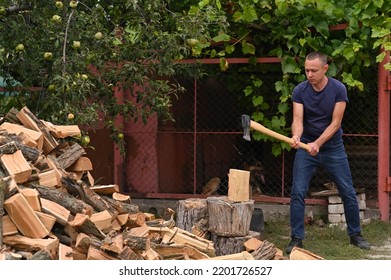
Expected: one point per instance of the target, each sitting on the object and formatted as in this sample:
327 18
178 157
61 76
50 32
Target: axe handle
258 127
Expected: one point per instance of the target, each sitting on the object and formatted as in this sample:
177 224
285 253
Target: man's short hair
314 55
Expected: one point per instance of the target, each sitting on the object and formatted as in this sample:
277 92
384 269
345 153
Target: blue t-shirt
319 107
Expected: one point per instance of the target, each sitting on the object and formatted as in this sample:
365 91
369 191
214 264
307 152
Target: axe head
246 127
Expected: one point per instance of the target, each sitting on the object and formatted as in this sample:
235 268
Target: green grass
331 243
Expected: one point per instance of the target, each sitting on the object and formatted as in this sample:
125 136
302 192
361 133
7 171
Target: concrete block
336 208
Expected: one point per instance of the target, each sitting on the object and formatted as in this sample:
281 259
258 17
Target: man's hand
314 148
296 141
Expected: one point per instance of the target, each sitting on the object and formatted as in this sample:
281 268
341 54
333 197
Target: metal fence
205 141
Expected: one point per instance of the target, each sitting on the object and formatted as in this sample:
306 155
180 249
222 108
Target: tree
66 58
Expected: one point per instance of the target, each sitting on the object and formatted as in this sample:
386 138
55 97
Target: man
318 108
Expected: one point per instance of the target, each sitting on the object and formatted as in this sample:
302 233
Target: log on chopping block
238 185
228 218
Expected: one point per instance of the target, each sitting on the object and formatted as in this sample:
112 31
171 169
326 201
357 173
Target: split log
65 252
136 243
102 220
190 211
228 218
30 153
33 136
10 256
238 185
8 227
113 245
244 255
121 207
70 156
105 189
266 251
302 254
82 223
24 217
21 242
129 254
61 214
3 185
16 166
96 254
83 242
64 199
42 255
29 120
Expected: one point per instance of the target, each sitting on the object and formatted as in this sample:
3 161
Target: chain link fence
206 140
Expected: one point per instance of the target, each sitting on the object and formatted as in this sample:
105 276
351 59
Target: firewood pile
51 209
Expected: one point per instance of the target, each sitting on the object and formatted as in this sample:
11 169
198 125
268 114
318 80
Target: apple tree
65 59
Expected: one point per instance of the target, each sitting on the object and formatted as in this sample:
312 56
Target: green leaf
248 48
229 49
248 91
257 100
288 64
221 38
203 3
378 32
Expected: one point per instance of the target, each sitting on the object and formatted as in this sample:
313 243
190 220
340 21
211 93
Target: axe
247 123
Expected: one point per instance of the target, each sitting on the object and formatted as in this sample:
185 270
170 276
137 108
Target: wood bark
190 211
64 199
229 245
228 218
70 156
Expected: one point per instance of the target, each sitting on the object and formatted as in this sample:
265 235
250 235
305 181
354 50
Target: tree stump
231 245
190 211
228 218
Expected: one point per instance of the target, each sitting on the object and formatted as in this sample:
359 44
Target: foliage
76 57
356 35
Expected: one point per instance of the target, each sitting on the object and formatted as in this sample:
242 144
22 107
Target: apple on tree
76 45
98 35
59 4
19 48
73 4
48 55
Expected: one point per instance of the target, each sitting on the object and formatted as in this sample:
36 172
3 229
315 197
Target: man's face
315 70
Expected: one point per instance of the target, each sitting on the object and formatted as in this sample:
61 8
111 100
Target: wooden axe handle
258 127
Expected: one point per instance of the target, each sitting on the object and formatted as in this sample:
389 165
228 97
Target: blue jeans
333 158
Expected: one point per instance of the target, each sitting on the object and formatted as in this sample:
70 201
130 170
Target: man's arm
297 123
335 124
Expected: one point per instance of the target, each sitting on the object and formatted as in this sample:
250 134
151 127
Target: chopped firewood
140 231
105 189
77 255
102 220
29 120
83 242
96 254
63 131
137 243
81 164
47 220
129 254
10 256
61 214
33 136
70 155
121 197
64 199
115 225
113 244
9 227
32 197
149 216
16 166
252 244
150 254
24 217
123 219
180 236
49 178
265 251
302 254
135 220
82 223
237 256
279 255
21 242
65 252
